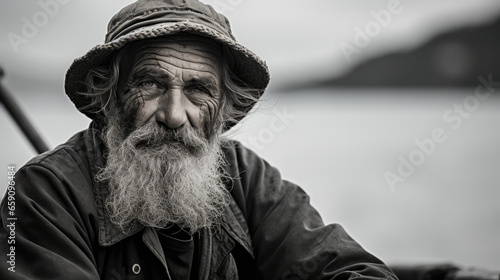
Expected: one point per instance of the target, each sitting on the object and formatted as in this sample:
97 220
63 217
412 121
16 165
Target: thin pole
20 118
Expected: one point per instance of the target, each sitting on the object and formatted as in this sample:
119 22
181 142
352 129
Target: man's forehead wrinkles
186 56
180 54
153 66
178 64
155 70
187 74
165 64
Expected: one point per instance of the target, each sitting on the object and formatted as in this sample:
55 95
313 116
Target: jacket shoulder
74 146
63 171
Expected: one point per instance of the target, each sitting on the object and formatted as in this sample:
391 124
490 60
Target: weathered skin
175 82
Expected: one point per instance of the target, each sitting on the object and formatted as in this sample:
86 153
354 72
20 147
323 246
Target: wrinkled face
174 83
162 136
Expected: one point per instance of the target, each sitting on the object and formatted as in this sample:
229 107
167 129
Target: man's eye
147 84
198 90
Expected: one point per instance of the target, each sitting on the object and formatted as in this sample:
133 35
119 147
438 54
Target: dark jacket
269 231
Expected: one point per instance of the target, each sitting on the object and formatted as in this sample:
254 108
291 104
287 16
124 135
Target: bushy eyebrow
207 82
150 72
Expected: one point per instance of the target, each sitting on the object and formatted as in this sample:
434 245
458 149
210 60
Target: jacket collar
108 233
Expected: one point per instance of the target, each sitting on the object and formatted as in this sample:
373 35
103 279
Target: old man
151 190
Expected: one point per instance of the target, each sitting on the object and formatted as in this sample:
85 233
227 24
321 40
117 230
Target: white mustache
152 135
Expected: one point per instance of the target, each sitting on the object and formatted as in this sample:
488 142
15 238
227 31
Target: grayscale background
335 124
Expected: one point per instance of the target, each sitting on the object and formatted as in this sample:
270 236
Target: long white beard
157 177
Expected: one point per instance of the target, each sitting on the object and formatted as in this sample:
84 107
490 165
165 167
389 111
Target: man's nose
172 110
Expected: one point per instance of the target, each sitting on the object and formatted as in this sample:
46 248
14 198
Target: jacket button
136 269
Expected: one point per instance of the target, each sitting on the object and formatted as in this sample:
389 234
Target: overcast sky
300 40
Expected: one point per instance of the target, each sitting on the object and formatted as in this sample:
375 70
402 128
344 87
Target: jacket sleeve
52 232
289 238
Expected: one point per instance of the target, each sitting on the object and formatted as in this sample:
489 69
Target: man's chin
176 185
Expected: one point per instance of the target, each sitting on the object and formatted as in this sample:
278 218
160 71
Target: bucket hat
149 19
